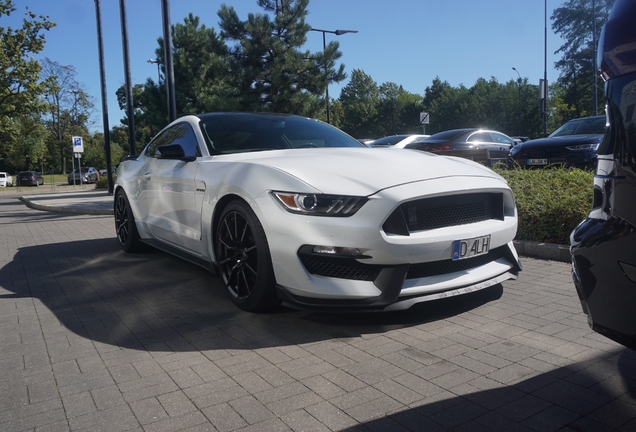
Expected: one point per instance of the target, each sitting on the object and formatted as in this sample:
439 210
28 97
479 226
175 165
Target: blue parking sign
78 144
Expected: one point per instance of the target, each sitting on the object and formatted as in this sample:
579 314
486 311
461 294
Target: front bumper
580 159
399 291
396 269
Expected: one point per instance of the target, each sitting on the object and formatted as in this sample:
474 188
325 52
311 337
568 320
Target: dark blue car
574 144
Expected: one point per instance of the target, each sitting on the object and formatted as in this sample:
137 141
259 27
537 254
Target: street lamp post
324 49
544 95
156 61
518 102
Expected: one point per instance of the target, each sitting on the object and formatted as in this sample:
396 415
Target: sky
407 42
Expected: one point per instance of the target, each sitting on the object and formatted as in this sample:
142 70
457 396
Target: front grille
436 268
346 268
341 268
542 153
444 211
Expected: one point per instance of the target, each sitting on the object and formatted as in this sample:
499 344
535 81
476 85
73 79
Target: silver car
88 175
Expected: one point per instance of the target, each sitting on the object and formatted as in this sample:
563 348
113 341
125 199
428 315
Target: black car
603 246
574 144
30 178
483 146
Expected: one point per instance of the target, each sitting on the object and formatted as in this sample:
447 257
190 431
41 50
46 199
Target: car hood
362 171
562 141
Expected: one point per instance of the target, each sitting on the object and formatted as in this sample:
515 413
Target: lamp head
341 32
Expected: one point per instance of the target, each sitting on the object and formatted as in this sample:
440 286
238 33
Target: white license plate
469 248
536 162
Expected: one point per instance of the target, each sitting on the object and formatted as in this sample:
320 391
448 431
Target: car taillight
436 148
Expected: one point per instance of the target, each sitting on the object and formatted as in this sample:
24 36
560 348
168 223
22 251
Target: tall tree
360 100
446 106
68 108
24 139
20 86
579 23
201 74
398 111
512 108
268 68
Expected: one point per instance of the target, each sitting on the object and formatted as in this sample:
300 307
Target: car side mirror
173 151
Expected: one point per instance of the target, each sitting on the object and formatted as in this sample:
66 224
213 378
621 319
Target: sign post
424 119
78 149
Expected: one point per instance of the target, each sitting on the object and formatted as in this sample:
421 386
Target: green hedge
550 202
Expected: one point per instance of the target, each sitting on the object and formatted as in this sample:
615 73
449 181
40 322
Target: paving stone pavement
94 339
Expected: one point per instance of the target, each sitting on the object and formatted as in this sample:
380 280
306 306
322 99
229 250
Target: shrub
102 183
550 202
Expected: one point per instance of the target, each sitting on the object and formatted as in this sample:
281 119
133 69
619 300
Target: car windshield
446 135
84 170
245 133
583 126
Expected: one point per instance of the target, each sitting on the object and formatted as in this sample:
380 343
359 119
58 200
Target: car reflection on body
484 146
574 144
286 208
603 246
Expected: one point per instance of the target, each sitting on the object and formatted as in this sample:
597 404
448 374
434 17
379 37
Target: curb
69 210
546 251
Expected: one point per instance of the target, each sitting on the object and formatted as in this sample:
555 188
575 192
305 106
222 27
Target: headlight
319 204
584 147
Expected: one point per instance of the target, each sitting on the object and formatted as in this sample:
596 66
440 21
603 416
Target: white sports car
287 208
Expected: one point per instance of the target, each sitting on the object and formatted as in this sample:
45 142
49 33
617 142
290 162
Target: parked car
5 179
291 209
574 144
519 139
603 246
88 175
366 141
484 146
396 141
30 178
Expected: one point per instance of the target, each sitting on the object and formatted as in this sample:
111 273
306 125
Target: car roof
244 114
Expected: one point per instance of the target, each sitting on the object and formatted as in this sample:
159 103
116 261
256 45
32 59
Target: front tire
125 226
244 260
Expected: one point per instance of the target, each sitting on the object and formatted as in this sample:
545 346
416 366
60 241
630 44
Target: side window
479 137
180 133
501 139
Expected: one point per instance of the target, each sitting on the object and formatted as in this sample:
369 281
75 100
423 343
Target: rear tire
125 226
244 260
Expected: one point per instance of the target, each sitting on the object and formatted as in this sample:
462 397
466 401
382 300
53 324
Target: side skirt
181 254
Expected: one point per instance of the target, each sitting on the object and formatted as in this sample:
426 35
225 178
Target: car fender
223 181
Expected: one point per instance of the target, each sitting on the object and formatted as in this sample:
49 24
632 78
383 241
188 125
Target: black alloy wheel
125 226
244 260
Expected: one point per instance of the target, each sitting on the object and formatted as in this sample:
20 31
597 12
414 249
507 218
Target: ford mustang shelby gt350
287 208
